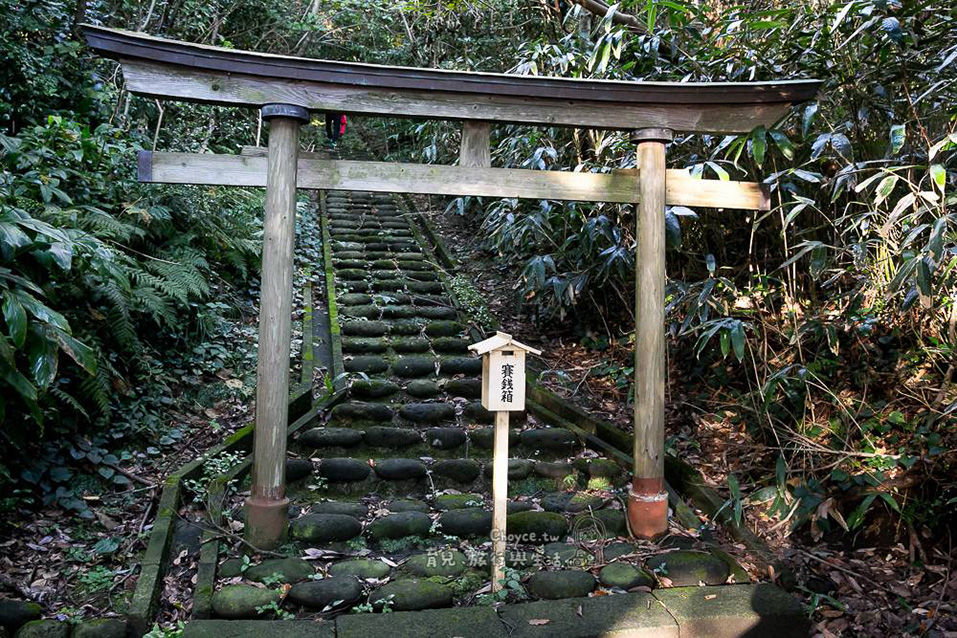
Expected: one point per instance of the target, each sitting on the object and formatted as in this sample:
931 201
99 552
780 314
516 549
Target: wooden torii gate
288 89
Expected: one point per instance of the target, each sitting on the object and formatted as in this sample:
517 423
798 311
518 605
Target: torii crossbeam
288 89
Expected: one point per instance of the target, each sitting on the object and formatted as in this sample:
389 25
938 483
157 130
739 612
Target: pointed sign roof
501 341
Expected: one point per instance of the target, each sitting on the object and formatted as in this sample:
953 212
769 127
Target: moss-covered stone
387 437
617 550
365 328
414 366
444 329
537 528
100 628
412 595
373 388
514 507
466 388
363 345
368 364
44 629
738 574
461 365
400 525
290 570
450 345
425 286
324 528
569 583
570 502
687 568
410 344
484 438
230 568
14 613
319 594
423 389
565 555
330 437
625 576
600 524
557 439
403 312
358 411
427 412
406 505
446 502
400 469
355 510
459 470
235 602
468 522
518 469
604 468
436 312
298 469
361 568
344 470
365 312
355 299
445 438
445 563
406 327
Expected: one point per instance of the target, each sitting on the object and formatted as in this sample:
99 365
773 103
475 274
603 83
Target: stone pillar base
648 508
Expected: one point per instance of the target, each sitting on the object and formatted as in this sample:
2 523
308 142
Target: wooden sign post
503 391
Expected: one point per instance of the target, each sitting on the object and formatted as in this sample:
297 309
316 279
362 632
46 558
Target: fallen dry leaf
539 621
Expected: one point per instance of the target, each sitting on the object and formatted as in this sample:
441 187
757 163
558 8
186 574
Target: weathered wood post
266 507
475 150
648 501
503 391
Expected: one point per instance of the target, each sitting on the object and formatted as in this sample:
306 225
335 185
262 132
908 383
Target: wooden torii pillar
287 89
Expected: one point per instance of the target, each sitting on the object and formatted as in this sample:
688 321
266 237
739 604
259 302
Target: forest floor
872 589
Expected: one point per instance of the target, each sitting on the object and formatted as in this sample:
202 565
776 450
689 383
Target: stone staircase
391 495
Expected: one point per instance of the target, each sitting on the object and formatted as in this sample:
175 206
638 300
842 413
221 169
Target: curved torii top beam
172 69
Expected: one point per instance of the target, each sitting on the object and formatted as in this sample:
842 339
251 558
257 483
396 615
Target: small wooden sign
503 391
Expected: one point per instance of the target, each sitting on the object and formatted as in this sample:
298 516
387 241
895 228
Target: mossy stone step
466 388
319 594
445 438
537 528
355 510
467 522
400 469
427 412
412 595
475 412
373 388
554 439
461 365
414 366
518 469
344 470
688 568
425 286
363 312
365 328
363 345
625 576
100 628
571 502
406 327
484 438
402 312
235 602
289 570
423 389
407 505
368 364
48 628
617 550
446 502
14 613
298 469
361 568
358 411
444 329
450 345
444 563
389 437
330 437
436 312
600 524
400 525
565 555
355 299
459 470
410 344
324 528
567 583
551 470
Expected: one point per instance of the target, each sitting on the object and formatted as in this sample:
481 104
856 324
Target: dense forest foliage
829 322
